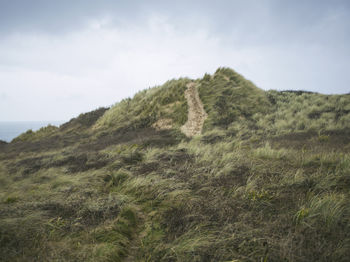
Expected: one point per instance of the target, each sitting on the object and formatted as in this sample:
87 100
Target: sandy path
196 112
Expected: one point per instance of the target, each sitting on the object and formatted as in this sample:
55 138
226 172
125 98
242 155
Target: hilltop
209 169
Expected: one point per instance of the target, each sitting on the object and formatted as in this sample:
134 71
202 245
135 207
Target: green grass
228 97
148 106
30 135
268 180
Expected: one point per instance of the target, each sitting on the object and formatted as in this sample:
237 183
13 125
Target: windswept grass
148 106
30 135
268 180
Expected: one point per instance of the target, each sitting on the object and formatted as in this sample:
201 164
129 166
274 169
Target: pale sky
65 57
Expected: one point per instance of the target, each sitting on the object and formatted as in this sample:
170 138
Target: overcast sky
61 58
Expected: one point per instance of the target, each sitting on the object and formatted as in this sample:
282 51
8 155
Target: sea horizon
11 129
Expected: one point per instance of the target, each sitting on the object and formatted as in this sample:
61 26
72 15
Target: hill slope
267 180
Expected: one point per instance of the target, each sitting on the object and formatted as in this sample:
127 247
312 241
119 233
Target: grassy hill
268 179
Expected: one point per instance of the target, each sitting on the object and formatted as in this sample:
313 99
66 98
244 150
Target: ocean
10 130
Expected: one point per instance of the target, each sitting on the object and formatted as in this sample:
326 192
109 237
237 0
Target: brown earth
196 112
163 124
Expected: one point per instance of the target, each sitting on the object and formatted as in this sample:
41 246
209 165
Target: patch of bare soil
163 124
196 112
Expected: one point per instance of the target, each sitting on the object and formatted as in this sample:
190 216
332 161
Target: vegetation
31 136
148 106
268 180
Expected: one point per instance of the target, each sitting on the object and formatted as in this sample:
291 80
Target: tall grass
146 107
268 180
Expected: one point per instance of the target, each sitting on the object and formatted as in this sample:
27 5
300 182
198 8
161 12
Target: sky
62 58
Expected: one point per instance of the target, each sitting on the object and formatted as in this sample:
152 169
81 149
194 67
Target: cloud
3 96
55 75
104 63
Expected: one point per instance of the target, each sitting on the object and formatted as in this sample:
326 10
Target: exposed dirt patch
163 124
196 112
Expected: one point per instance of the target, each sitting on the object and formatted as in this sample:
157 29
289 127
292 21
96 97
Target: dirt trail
196 112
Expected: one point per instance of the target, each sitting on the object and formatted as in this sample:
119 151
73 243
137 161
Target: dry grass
253 187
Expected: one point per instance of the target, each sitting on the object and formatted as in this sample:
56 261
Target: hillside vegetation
267 180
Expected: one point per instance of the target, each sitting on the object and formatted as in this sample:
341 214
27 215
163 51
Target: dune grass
268 180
